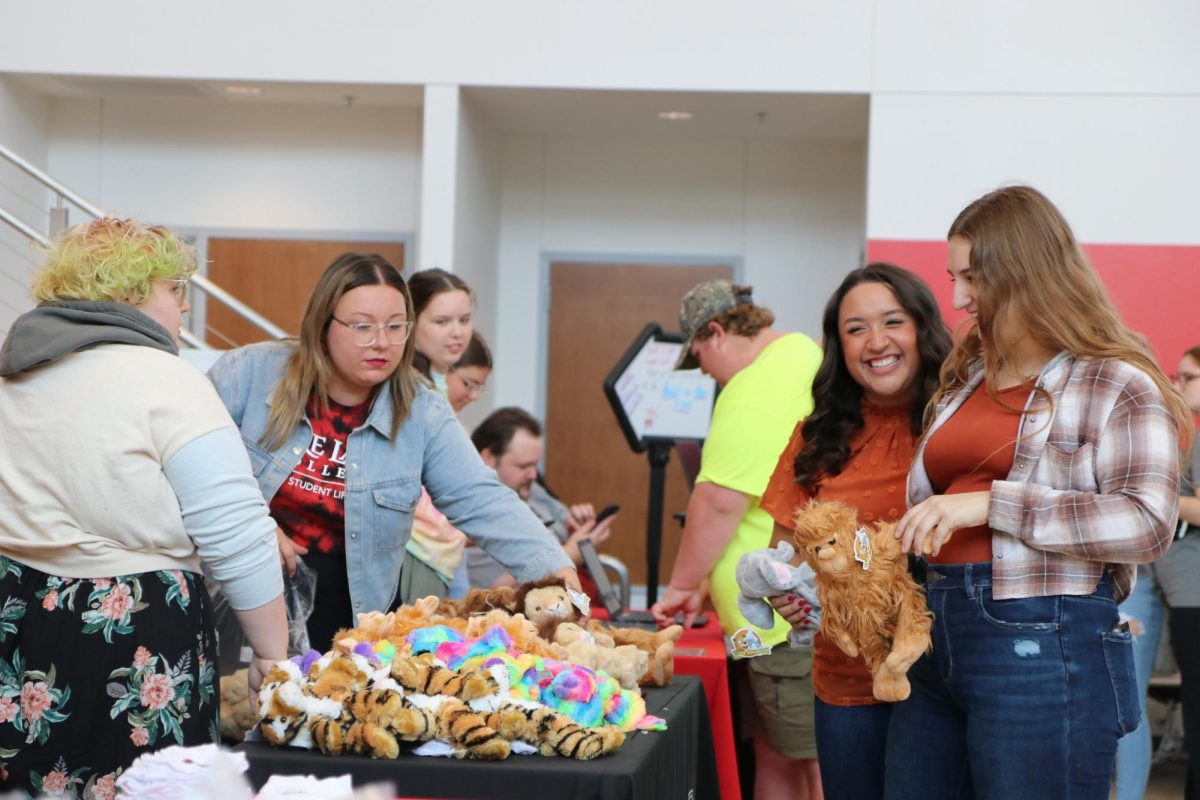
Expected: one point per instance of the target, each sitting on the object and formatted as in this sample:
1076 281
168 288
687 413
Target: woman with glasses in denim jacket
1050 468
342 435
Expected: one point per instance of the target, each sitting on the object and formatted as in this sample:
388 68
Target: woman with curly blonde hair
1049 471
122 470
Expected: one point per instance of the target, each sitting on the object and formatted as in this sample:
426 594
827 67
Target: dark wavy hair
837 397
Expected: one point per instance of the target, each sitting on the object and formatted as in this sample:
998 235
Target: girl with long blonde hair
1049 470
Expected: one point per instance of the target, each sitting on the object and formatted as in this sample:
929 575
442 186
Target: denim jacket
384 478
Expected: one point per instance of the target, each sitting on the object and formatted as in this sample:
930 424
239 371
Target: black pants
1185 641
331 607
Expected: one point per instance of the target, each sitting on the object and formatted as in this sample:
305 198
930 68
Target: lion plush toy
870 603
479 601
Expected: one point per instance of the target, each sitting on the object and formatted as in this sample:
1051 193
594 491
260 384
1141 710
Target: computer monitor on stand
657 406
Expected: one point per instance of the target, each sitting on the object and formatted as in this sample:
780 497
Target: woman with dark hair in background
443 334
1050 468
434 541
343 434
443 306
468 376
884 343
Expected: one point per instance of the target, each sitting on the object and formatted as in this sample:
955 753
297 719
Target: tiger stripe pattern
377 720
422 677
554 734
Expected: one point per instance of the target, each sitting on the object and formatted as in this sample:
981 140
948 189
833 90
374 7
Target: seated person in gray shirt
510 442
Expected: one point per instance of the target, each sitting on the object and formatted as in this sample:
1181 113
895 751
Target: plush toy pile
480 682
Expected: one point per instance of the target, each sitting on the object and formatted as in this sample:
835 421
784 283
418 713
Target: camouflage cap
699 306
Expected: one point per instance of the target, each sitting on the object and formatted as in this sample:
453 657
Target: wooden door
596 310
274 277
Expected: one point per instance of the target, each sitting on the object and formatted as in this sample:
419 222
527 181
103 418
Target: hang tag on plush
581 601
746 643
862 548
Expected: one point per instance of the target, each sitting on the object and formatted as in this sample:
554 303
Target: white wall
792 212
1102 47
1096 102
784 45
477 228
754 45
223 165
1124 169
23 127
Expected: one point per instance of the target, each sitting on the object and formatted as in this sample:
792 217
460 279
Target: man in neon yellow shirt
766 388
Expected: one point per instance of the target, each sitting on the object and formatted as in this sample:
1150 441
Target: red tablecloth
701 652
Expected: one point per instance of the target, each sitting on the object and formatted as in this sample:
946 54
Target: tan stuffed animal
869 601
658 645
479 601
598 651
236 716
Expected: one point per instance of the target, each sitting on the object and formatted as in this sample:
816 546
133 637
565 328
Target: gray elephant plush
768 572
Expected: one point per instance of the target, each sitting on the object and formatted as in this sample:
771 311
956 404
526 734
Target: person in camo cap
766 378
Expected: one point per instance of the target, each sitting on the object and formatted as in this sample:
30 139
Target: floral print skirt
94 672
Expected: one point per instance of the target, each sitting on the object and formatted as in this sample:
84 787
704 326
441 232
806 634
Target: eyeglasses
179 288
363 333
473 388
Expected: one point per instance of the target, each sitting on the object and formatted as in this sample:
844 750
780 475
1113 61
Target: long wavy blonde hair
1026 262
309 369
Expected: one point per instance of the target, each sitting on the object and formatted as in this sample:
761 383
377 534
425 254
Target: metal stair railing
202 283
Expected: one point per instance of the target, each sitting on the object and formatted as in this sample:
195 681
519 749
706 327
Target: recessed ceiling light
675 116
243 90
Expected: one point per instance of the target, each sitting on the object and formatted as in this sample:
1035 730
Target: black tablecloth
651 765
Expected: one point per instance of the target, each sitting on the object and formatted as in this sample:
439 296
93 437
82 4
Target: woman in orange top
884 344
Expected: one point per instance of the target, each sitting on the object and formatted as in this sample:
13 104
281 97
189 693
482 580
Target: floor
1166 781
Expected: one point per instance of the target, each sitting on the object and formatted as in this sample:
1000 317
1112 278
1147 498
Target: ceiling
714 114
251 92
583 112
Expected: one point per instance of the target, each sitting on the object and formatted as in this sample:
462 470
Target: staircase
59 215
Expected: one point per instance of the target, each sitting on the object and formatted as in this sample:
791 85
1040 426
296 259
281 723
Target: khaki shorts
781 684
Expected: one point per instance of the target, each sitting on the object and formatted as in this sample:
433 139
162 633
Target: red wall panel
1156 287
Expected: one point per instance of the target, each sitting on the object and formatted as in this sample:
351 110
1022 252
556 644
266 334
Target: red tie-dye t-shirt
310 505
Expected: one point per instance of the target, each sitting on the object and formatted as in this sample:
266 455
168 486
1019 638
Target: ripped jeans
1018 698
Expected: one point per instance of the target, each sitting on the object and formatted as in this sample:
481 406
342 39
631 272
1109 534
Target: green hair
113 260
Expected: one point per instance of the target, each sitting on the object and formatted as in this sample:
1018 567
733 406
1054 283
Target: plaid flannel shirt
1095 487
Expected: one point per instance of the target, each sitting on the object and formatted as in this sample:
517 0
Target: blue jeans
851 745
1018 699
1134 751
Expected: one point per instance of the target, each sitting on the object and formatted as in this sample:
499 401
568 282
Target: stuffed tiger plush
376 721
422 676
287 713
553 734
339 676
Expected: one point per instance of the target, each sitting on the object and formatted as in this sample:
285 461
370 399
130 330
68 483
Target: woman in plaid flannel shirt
1050 468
